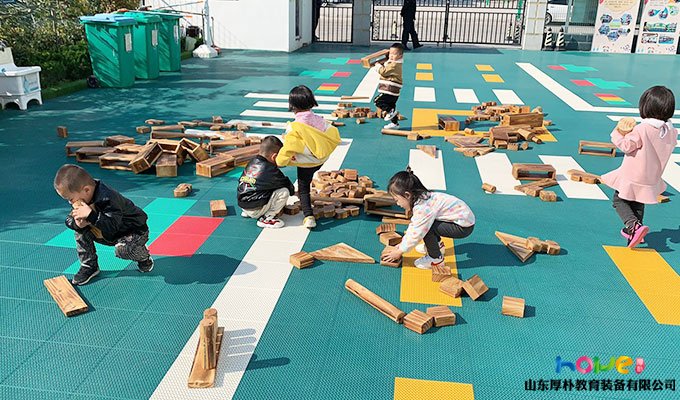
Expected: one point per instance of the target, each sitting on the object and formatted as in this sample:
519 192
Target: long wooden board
343 253
200 377
65 295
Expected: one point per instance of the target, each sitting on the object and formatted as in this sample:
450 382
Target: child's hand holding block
626 125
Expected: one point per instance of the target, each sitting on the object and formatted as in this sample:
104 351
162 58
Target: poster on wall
615 26
659 27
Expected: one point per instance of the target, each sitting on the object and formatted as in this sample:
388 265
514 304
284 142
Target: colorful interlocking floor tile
582 82
609 85
337 61
572 68
328 88
323 74
341 74
353 61
611 98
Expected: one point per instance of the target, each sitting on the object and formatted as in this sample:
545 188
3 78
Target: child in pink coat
647 149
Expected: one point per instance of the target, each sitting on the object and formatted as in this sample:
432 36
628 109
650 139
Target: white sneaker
390 114
309 222
391 125
268 222
428 262
244 214
423 250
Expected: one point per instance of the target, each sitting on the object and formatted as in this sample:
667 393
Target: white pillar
361 23
534 23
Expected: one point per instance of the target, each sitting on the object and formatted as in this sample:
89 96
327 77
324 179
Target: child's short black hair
399 47
301 98
72 178
407 182
270 145
657 102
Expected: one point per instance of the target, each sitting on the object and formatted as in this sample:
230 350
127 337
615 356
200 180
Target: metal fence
335 21
453 21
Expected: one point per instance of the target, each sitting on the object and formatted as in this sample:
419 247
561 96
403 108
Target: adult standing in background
408 16
316 13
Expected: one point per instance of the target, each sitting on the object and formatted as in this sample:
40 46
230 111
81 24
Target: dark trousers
129 247
445 229
316 13
409 28
629 211
387 102
305 176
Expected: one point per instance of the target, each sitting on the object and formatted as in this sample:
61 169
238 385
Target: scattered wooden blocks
534 188
596 148
390 238
418 321
115 140
218 208
524 248
448 123
116 161
71 147
520 252
585 177
547 195
443 316
196 151
489 188
341 213
301 259
440 273
533 172
377 57
353 210
395 264
182 190
377 302
65 295
343 253
92 154
428 149
62 132
513 307
475 287
451 286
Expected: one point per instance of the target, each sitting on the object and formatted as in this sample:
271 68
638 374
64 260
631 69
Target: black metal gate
453 21
334 20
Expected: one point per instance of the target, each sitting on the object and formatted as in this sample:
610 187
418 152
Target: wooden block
218 208
242 155
418 321
535 187
353 210
475 287
196 151
128 148
451 286
116 161
166 166
215 166
626 125
62 132
469 131
448 123
167 128
596 148
142 130
553 248
377 57
443 316
513 146
301 259
524 146
531 119
341 213
377 302
146 158
65 295
291 209
71 147
513 307
154 122
548 196
414 136
585 177
199 376
547 122
91 154
428 149
522 253
373 204
115 140
388 249
385 228
489 188
440 273
662 199
343 253
390 238
533 171
242 127
182 190
507 238
536 244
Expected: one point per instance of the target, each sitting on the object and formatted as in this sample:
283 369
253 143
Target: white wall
252 24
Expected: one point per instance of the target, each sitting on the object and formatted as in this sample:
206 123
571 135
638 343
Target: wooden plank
65 295
531 119
342 252
116 161
146 158
377 302
71 146
91 154
533 171
371 59
200 377
215 166
396 221
596 148
115 140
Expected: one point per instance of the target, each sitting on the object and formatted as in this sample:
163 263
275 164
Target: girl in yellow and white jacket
308 143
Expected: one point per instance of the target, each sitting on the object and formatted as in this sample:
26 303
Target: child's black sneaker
145 266
84 276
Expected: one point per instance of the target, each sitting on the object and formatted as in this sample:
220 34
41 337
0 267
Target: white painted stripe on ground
279 114
496 169
279 104
671 173
572 189
569 97
618 118
273 125
367 86
506 96
424 94
466 96
244 306
280 96
429 170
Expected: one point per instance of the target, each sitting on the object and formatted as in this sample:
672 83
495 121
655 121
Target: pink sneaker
638 235
628 237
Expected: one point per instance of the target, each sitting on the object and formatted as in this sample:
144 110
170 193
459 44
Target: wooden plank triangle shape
343 253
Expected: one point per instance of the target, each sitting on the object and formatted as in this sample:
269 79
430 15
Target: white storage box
18 84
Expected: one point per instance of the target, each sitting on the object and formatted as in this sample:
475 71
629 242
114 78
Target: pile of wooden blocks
542 176
491 111
524 248
344 185
454 287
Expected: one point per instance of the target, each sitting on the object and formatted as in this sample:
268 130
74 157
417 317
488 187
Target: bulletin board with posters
659 27
615 26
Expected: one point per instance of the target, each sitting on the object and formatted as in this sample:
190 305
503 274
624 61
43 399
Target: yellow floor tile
425 120
654 281
484 67
424 76
418 389
423 66
494 78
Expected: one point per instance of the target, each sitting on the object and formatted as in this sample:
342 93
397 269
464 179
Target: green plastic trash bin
169 47
109 39
145 44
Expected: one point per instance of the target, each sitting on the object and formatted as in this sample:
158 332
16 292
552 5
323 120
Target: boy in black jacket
263 189
101 214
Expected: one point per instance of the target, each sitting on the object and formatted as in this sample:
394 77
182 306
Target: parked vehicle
557 11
